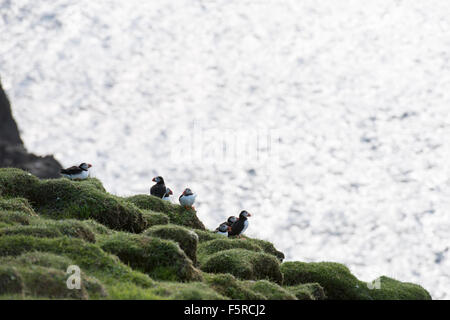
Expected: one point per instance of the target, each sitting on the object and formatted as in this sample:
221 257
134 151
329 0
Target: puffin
167 194
187 199
222 229
231 220
77 173
158 189
239 227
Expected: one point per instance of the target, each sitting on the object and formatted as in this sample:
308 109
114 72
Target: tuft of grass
244 264
267 247
228 286
188 291
159 258
336 279
16 183
11 281
308 291
65 199
339 284
186 239
391 289
98 228
53 229
10 218
154 218
176 213
207 235
208 248
88 256
17 205
270 290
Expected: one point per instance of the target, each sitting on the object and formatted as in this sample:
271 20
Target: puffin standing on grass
223 228
187 199
77 173
159 189
167 194
239 227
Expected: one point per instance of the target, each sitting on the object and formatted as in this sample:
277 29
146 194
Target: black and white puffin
239 227
222 229
77 173
167 194
187 199
231 220
159 189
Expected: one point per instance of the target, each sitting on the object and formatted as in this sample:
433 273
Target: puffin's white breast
223 233
245 226
187 200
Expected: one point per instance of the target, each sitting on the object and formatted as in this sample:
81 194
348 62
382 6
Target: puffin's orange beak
249 214
154 179
170 192
89 165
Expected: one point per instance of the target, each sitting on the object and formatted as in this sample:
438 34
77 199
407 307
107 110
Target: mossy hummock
142 247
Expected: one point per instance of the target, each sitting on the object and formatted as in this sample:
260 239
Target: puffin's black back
71 170
237 227
158 190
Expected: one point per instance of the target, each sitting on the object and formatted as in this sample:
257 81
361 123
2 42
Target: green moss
53 229
208 248
131 291
63 199
188 291
270 290
206 235
177 214
391 289
17 183
17 205
335 278
9 218
11 281
268 248
154 218
93 182
97 228
308 291
228 286
161 259
244 264
89 257
43 259
186 238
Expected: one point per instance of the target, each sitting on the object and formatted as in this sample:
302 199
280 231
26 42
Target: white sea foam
360 91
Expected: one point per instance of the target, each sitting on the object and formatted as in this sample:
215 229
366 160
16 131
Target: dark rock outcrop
12 149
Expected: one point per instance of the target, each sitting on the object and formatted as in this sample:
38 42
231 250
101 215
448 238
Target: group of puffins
234 226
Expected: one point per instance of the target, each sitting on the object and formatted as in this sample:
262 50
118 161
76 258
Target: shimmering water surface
328 120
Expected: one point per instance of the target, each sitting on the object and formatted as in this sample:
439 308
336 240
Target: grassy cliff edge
141 247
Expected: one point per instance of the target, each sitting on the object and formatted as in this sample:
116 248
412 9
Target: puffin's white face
85 166
168 192
187 192
246 214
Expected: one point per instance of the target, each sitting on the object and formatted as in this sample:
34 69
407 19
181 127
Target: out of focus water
328 120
